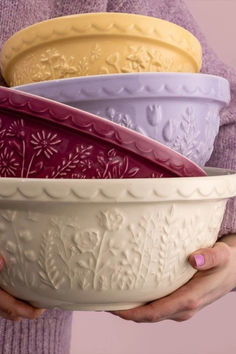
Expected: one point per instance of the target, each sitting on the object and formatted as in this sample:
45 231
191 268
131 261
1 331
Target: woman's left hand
216 276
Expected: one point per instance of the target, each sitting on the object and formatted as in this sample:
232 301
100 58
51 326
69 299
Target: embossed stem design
66 165
149 265
50 274
30 164
142 257
97 270
23 158
68 259
68 267
105 171
21 259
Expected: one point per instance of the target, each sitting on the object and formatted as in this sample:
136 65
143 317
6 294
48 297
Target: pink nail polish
1 263
199 260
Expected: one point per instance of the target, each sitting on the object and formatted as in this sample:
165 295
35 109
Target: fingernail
199 260
1 263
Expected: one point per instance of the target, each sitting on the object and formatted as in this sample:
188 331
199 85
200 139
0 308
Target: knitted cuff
50 334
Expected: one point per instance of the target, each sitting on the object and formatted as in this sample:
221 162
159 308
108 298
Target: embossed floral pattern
79 157
154 114
16 129
86 240
25 235
30 255
186 140
111 220
139 59
52 64
45 143
96 53
10 247
114 253
28 151
8 163
122 119
80 162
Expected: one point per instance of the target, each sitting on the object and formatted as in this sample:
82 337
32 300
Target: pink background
212 330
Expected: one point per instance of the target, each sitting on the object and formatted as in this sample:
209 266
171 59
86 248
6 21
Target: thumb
1 262
207 258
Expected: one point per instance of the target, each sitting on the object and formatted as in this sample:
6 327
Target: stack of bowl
87 203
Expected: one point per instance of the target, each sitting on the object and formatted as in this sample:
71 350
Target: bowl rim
31 36
162 85
86 123
218 185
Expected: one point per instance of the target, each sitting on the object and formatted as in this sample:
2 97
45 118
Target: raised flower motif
96 52
30 255
44 143
11 247
86 240
139 58
8 164
154 114
111 220
25 235
122 119
16 129
124 280
83 66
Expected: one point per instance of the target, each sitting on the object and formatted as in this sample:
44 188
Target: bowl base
89 307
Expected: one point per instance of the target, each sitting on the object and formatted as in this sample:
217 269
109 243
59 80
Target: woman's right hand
13 309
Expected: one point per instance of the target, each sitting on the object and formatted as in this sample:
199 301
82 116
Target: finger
188 299
155 311
9 318
207 258
12 307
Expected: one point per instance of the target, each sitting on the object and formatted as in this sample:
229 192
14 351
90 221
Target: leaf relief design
113 253
186 141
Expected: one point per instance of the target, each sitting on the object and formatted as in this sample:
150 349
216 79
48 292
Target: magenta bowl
45 139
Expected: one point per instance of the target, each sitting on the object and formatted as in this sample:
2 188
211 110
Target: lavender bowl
45 139
178 110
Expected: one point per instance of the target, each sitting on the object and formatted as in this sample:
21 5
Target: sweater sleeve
224 155
51 333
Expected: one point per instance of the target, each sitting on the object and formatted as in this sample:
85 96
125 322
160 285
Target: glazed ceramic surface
98 43
179 110
106 244
43 138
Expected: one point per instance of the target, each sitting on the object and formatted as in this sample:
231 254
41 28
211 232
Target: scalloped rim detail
222 185
110 132
24 39
82 87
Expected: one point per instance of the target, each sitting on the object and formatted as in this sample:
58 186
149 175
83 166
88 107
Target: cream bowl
106 244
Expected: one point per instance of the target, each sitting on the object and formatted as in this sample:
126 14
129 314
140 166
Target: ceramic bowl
98 43
176 109
106 245
45 139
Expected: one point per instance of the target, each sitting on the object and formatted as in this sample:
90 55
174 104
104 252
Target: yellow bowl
98 43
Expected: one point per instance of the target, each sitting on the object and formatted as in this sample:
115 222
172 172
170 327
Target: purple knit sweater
51 332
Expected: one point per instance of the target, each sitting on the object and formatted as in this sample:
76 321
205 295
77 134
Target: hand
215 278
13 309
